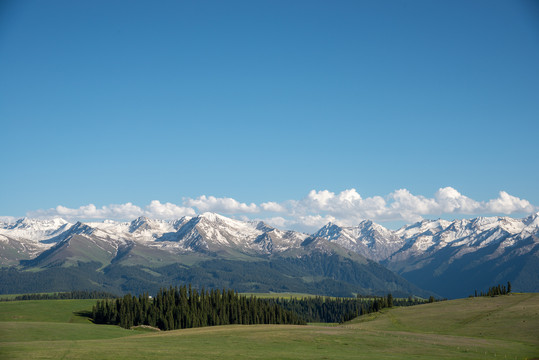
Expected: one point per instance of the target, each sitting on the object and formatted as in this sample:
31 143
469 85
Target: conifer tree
389 300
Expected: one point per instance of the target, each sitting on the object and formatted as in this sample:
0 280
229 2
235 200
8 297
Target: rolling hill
474 328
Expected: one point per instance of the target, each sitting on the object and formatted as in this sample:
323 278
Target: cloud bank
314 210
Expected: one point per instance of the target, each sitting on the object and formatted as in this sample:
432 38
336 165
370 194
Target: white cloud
306 224
167 210
272 207
114 211
8 219
278 222
220 205
349 207
317 208
320 199
450 200
507 204
405 202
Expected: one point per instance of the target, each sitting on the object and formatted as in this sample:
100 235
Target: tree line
332 310
494 290
76 294
186 307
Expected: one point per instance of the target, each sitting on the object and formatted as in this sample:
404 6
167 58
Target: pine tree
389 300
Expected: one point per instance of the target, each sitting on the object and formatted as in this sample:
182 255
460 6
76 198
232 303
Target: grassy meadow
283 295
505 327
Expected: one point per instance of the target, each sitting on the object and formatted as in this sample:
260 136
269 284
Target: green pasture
505 327
275 295
4 297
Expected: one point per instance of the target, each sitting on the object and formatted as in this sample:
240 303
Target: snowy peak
531 224
205 232
35 230
262 226
368 239
38 224
426 227
224 222
140 230
330 231
492 237
177 224
81 229
219 231
428 236
431 236
213 217
509 225
152 226
212 232
532 220
468 230
76 229
138 223
373 232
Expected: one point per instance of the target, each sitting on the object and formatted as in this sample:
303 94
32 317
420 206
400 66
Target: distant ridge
450 258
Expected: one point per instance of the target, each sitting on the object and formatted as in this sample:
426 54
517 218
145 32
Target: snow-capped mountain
427 237
368 239
141 230
27 238
451 257
435 254
466 236
207 250
460 255
207 232
34 229
213 232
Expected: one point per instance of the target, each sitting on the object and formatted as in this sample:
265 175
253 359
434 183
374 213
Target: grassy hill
504 327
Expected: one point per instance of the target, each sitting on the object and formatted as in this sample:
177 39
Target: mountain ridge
483 247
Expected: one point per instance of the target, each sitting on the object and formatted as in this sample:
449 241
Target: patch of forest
187 307
333 310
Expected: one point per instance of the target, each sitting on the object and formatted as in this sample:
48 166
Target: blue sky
256 102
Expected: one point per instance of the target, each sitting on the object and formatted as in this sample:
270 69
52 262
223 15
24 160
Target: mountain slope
77 244
451 258
464 255
213 251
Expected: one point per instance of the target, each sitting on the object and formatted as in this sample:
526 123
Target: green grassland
505 327
282 295
293 295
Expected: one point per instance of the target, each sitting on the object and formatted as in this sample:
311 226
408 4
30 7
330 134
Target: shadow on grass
84 314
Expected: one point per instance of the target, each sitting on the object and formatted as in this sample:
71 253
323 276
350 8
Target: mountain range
445 258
